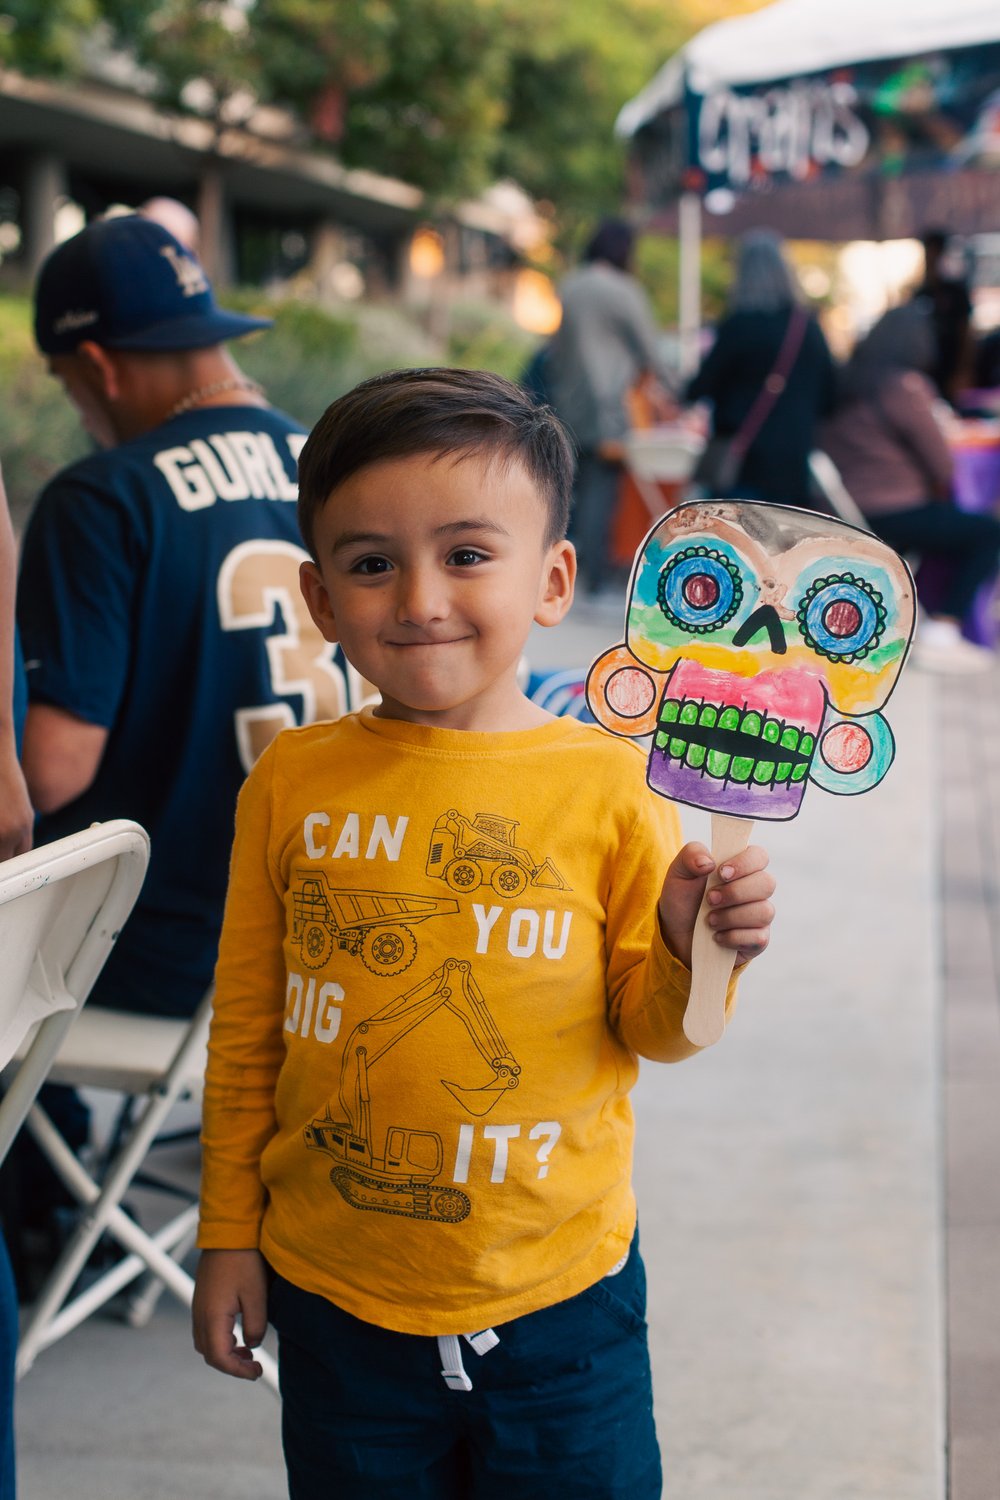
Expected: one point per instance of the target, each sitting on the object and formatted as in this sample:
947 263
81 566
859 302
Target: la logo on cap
190 277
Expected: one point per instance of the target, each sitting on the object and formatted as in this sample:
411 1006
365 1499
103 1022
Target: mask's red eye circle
842 618
700 591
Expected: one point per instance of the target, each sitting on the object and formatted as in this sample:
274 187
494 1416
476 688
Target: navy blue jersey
159 598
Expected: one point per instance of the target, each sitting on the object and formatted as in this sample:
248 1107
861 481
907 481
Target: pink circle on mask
630 692
847 748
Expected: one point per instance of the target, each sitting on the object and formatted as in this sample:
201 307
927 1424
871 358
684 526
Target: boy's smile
431 571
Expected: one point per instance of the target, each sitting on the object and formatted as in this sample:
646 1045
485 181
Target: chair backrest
61 909
826 477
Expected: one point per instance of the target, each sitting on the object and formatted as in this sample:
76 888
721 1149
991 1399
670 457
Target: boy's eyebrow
450 528
477 523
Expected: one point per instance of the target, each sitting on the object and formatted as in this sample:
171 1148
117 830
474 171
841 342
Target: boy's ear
317 600
558 581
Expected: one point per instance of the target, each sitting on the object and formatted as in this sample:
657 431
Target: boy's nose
421 598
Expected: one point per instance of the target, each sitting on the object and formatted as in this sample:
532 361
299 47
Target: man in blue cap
164 635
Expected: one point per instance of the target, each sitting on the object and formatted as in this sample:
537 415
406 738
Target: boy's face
430 574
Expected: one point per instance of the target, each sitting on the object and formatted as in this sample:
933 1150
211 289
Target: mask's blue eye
842 617
699 589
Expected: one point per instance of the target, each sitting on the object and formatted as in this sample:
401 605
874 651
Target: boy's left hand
740 908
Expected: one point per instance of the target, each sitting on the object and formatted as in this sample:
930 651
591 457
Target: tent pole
689 289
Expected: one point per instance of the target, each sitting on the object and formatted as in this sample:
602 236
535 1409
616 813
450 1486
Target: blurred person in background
15 838
16 816
605 346
165 640
770 378
891 451
944 294
176 218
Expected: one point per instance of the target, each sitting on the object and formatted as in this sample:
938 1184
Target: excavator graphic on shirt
402 1180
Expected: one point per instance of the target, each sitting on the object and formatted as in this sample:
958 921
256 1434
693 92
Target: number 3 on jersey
258 580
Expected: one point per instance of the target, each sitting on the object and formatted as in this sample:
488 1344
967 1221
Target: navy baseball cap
126 283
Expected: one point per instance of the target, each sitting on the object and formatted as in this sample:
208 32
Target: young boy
448 938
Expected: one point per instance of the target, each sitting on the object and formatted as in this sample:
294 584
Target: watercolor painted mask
762 641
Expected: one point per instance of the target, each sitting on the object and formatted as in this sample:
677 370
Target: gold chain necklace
204 392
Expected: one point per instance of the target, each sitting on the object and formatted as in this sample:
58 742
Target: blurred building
270 208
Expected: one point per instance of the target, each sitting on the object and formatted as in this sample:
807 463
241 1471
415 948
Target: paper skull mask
762 641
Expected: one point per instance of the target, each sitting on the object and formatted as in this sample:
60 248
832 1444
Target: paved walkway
791 1192
967 742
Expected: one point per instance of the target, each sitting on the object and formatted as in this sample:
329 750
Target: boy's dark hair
439 411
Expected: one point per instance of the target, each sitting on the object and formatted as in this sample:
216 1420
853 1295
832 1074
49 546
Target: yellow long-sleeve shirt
439 962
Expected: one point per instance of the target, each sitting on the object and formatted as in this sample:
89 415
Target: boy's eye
369 566
466 557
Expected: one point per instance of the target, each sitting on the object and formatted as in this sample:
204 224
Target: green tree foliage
657 265
435 110
572 68
44 36
448 94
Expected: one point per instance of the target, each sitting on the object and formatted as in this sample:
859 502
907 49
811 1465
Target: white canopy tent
793 38
782 50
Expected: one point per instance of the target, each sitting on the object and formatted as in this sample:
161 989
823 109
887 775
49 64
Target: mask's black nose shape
764 617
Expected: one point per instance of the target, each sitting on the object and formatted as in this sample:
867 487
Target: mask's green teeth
682 728
741 767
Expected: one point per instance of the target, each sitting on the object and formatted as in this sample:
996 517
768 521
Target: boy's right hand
230 1284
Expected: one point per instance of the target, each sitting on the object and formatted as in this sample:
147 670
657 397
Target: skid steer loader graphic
466 852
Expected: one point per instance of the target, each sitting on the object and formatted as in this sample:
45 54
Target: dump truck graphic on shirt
467 852
372 925
401 1179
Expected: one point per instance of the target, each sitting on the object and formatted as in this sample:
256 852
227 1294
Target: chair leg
101 1212
142 1301
51 1317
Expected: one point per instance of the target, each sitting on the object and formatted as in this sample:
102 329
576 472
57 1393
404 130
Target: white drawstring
452 1369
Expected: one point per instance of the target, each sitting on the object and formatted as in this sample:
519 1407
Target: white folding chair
157 1062
61 908
826 477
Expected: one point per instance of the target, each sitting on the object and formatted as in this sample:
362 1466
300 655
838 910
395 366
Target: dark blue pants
562 1406
970 543
595 495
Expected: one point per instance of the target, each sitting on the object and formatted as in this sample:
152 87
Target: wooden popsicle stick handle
711 965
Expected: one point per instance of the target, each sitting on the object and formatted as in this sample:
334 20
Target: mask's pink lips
794 695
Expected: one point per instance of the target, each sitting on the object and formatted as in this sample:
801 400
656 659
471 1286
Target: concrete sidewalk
790 1201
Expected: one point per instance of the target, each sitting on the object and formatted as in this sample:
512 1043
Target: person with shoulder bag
769 377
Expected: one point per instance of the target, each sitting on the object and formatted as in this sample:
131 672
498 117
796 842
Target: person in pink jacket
888 444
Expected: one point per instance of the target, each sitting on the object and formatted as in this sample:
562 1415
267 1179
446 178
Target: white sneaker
941 647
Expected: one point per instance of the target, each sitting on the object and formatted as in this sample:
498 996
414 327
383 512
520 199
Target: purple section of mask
671 778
